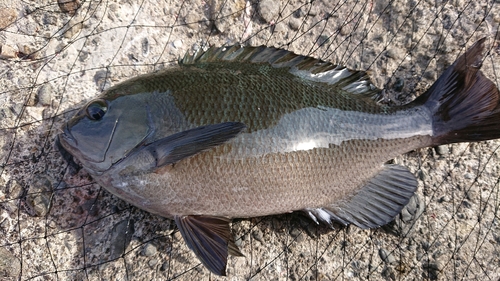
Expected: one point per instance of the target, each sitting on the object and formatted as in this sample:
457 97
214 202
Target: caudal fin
465 104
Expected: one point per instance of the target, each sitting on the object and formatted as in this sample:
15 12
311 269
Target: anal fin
210 239
376 204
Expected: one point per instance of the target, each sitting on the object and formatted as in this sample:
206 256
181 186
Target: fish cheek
92 139
131 129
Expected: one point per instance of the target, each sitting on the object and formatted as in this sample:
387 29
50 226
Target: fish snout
66 136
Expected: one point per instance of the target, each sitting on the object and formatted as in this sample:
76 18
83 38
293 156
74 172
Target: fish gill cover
57 224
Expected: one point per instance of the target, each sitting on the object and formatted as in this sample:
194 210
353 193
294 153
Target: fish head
105 131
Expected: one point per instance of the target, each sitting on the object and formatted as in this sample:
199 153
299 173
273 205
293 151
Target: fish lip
67 137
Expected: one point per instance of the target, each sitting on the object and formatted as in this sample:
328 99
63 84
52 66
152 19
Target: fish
240 132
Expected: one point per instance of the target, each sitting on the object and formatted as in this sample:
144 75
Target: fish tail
464 103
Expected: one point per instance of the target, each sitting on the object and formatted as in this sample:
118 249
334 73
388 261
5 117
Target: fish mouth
66 138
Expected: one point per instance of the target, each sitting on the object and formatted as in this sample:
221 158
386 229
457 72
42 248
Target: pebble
313 11
7 52
153 262
294 232
145 46
164 266
257 235
7 17
298 13
177 44
459 148
422 175
386 256
69 6
120 238
149 250
191 21
426 245
10 266
432 270
399 84
74 29
442 150
15 189
39 196
391 53
294 23
389 273
101 79
44 95
269 10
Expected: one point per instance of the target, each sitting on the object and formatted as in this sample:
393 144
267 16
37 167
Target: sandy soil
56 224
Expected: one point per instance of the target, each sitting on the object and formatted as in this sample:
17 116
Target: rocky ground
56 224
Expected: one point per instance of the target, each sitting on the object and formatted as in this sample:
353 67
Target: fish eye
96 110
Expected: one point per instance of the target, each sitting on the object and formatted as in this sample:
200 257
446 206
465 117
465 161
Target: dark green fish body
245 132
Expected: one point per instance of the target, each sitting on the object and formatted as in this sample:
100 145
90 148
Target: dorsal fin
309 68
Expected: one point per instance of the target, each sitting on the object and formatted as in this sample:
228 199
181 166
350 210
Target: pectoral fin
184 144
210 239
376 204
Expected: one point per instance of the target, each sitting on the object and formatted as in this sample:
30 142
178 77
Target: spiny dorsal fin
356 82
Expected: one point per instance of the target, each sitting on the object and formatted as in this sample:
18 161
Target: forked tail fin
465 104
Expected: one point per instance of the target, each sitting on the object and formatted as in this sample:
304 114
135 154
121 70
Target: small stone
44 95
313 11
298 13
399 84
7 52
426 245
389 273
294 23
238 241
445 198
153 262
39 196
73 28
442 150
145 46
257 235
191 21
432 269
269 10
177 44
149 250
459 148
120 238
113 7
391 53
422 175
295 232
466 204
10 266
69 6
431 75
447 22
387 257
49 19
7 17
101 79
15 189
